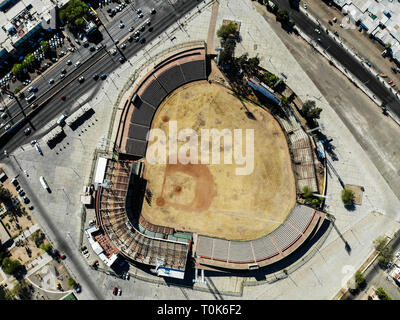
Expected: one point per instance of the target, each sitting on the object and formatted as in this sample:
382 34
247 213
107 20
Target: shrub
382 294
348 197
310 111
307 192
225 31
359 279
46 247
71 282
10 266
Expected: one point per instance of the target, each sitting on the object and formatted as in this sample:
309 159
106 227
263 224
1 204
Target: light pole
3 89
120 51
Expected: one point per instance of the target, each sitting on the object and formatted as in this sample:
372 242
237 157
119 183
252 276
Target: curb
346 73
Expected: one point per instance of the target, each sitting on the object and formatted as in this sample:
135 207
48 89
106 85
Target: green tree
284 100
17 69
385 256
45 46
72 283
46 247
253 64
29 61
310 110
5 195
75 10
10 266
381 293
348 197
270 79
380 243
307 192
227 30
226 55
385 251
282 16
360 280
80 23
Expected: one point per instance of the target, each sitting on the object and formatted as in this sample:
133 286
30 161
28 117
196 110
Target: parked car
77 64
95 76
51 81
115 291
81 79
103 76
63 257
27 131
78 288
63 98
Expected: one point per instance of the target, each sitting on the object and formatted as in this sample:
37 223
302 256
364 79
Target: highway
166 15
341 55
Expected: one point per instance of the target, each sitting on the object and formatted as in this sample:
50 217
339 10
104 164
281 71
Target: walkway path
25 234
211 29
38 263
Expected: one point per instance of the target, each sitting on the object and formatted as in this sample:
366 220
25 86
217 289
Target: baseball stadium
165 215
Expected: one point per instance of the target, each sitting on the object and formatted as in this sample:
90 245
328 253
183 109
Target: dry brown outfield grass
211 199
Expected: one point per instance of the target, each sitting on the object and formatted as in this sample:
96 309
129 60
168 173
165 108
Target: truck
44 183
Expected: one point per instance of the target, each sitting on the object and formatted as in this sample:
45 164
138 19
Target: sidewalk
25 235
37 264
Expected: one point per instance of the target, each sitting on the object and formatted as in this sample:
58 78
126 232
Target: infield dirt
210 199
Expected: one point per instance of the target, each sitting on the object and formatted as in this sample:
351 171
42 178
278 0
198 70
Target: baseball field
213 199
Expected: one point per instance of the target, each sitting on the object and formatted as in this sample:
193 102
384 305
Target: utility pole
119 50
3 89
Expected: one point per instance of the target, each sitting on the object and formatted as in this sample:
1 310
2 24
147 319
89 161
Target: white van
61 120
30 97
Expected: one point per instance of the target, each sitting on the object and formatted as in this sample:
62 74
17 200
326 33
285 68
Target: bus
44 183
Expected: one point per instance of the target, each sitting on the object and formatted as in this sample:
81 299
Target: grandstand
165 77
130 242
298 226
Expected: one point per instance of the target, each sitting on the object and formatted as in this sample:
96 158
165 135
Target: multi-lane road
345 58
99 62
